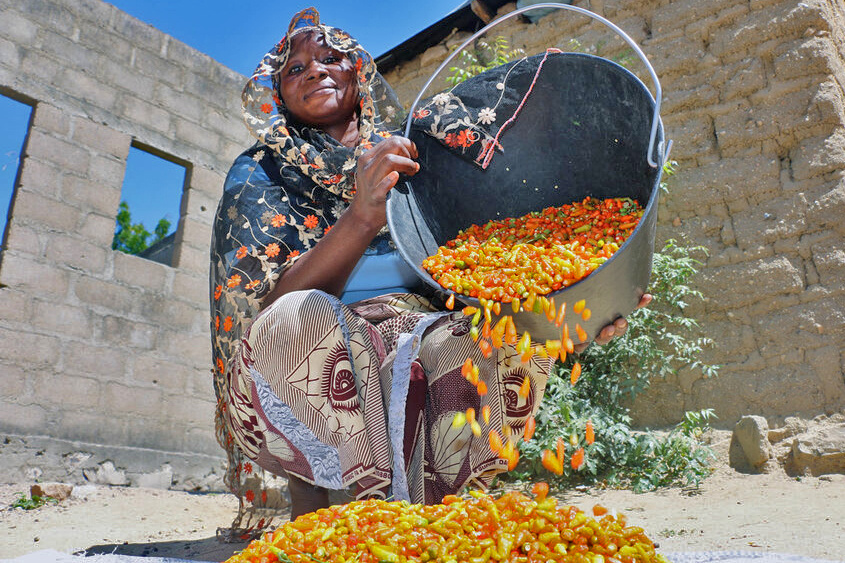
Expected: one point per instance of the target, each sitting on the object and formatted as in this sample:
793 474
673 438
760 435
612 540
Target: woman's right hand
378 171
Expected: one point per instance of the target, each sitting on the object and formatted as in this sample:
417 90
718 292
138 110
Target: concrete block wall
96 346
753 98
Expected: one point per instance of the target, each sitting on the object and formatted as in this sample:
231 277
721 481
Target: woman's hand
617 328
378 171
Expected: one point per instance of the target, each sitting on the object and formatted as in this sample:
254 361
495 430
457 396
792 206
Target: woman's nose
316 69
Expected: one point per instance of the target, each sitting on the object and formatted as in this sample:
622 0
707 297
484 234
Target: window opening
150 200
15 117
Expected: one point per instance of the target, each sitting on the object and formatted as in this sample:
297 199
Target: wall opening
150 201
15 116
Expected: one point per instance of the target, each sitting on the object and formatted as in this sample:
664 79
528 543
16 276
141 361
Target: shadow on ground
208 549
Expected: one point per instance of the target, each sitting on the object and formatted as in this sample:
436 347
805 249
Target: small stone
58 491
751 434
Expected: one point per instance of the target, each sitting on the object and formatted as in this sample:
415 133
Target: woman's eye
294 69
331 59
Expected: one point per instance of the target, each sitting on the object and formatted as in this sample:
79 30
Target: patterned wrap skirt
364 396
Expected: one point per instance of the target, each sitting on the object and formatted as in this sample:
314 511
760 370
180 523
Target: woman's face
318 84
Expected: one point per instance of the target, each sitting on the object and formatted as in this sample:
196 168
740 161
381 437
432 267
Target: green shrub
660 340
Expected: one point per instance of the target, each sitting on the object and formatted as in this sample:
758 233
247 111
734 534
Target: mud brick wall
753 100
97 346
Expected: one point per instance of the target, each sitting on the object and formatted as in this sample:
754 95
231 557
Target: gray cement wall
104 353
753 98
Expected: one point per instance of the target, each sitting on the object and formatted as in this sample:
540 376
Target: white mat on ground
52 556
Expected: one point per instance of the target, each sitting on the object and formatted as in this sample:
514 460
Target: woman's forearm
329 263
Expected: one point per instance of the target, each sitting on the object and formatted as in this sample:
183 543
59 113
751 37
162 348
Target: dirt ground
729 511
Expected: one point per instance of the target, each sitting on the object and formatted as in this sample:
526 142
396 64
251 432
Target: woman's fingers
645 300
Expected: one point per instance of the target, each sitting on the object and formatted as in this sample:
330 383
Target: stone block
820 451
10 54
27 274
679 14
18 29
67 392
116 70
99 38
187 349
190 132
88 88
199 207
24 238
158 309
76 253
190 411
58 491
65 320
750 447
739 285
51 119
14 385
91 195
101 138
23 419
32 207
42 177
819 155
137 32
106 295
826 363
102 363
202 180
142 401
98 228
15 305
145 114
64 155
747 77
194 260
806 57
187 286
135 271
827 211
155 371
93 427
830 264
153 65
195 233
178 103
126 334
680 101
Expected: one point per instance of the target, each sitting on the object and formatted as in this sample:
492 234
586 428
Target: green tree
134 238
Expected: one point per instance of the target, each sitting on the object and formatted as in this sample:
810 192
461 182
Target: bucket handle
658 91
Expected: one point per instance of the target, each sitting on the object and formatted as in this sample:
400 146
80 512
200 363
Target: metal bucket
589 128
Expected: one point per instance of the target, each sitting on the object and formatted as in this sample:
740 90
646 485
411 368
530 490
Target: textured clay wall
753 100
96 346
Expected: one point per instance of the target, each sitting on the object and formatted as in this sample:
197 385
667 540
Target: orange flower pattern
272 250
310 221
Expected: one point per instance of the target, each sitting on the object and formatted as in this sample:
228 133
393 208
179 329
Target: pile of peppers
513 528
535 254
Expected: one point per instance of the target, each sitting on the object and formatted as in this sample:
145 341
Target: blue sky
236 34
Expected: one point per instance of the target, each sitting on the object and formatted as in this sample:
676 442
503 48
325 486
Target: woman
329 370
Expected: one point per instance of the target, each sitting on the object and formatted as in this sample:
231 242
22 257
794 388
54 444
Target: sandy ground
729 511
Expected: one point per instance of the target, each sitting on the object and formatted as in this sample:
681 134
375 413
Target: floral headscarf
280 198
267 118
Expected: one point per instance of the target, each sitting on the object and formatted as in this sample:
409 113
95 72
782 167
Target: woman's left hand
617 328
